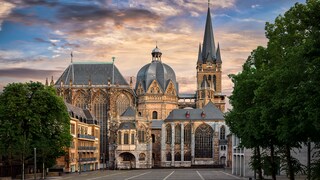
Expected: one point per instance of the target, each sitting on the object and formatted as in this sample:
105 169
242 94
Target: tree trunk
290 168
259 162
22 166
273 169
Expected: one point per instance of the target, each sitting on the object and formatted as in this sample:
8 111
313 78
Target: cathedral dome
156 70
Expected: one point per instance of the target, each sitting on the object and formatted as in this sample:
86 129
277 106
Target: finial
71 57
47 82
208 3
156 44
113 58
52 82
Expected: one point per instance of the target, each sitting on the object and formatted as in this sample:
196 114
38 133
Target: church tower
209 70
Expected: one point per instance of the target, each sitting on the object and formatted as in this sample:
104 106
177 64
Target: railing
86 136
87 148
87 159
126 147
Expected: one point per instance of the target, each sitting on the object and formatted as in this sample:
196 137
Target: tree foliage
276 96
33 116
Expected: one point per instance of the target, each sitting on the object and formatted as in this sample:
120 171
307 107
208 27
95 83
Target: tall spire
218 55
199 55
208 48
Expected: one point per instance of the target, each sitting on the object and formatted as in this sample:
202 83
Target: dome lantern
156 54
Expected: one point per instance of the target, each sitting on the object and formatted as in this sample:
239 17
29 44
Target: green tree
33 116
286 97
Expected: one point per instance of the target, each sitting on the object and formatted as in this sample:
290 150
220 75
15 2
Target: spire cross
208 3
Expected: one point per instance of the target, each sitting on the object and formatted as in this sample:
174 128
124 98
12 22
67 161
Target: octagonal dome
156 70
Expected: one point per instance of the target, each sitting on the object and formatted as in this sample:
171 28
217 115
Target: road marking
168 175
230 175
107 175
200 175
138 175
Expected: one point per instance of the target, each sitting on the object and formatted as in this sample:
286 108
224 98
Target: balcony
88 159
86 136
87 148
126 147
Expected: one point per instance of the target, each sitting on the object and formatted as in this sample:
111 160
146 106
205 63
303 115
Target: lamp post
79 162
35 163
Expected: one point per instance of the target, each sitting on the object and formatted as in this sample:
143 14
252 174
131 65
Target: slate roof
187 96
210 110
98 72
130 111
81 113
156 124
127 125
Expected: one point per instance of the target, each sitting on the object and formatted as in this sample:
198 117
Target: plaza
154 174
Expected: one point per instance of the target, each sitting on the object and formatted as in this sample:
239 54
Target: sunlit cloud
5 10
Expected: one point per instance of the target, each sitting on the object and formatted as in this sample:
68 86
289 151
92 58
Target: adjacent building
84 152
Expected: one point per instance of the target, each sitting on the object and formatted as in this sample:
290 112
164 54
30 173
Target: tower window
153 138
222 132
154 115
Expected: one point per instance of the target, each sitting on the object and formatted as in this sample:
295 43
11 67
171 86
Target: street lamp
79 166
35 163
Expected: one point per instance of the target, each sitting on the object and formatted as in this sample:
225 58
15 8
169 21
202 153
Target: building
84 152
152 124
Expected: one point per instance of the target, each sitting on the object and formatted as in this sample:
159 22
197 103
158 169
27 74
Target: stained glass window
203 141
177 133
187 134
168 137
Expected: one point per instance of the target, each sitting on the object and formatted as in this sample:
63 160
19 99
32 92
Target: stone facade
134 121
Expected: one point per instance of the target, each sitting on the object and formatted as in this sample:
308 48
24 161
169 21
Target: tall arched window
122 103
214 79
126 138
177 134
119 137
80 100
168 136
177 156
154 115
169 156
187 134
203 141
222 132
141 135
187 156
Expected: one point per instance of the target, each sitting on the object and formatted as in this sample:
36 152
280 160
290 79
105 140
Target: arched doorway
223 160
203 141
126 161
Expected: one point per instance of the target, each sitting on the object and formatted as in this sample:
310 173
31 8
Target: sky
37 36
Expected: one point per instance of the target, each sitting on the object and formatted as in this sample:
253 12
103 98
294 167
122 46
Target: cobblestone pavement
159 174
153 174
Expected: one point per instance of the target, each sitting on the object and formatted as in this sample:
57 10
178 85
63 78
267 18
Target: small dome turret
156 54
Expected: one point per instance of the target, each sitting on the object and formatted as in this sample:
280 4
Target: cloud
5 10
254 6
27 73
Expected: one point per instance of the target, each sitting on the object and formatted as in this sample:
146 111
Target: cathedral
149 123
